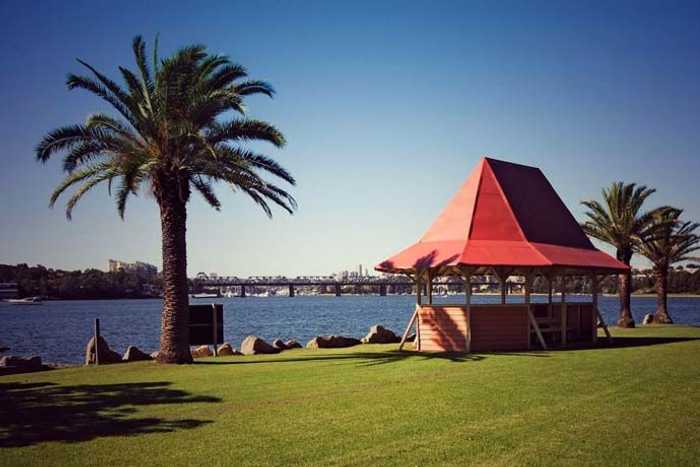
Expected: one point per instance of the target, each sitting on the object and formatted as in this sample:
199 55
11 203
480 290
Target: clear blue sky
386 106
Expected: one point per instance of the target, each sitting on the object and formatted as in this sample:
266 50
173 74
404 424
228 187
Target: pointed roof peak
505 214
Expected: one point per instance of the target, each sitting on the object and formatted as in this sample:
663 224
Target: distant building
142 269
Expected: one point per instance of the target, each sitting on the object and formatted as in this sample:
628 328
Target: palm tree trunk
625 290
661 315
175 334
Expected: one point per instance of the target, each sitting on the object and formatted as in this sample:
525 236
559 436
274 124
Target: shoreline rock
107 355
293 344
11 364
201 352
378 334
332 342
133 354
254 345
226 350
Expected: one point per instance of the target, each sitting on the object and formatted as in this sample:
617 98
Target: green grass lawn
636 403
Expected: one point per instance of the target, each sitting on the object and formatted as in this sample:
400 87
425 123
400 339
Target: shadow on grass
630 341
362 358
32 413
392 356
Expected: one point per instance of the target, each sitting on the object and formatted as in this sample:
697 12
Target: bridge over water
381 286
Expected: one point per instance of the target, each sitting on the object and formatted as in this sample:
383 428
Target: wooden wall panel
504 327
443 328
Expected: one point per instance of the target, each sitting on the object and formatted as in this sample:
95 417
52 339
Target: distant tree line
88 284
680 280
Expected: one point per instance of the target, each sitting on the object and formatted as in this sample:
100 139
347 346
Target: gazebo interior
506 221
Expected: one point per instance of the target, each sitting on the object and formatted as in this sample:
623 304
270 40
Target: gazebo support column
503 274
549 293
429 283
467 274
594 301
564 314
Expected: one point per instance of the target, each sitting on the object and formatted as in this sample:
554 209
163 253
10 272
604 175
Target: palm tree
170 139
672 242
620 222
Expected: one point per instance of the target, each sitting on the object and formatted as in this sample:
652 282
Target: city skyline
589 93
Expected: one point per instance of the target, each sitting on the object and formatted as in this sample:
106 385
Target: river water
59 330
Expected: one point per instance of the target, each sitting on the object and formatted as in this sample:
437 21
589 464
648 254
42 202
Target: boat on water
205 295
24 301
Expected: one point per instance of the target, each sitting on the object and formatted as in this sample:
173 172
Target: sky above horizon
386 106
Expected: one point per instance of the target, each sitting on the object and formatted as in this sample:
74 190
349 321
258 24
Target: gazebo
506 220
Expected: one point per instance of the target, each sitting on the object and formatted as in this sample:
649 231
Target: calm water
59 331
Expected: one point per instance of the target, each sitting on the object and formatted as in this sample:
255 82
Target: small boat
205 295
24 301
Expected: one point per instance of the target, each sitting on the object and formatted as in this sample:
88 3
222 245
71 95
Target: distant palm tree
169 140
672 242
620 222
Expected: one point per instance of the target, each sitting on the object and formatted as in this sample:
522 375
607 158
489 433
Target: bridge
381 285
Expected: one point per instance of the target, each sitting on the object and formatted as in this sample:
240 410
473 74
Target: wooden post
216 329
504 290
430 287
564 314
468 298
97 341
528 286
594 302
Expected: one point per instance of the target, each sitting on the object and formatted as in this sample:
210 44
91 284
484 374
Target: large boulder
226 350
292 344
253 345
378 334
133 354
106 354
332 342
201 351
648 319
21 364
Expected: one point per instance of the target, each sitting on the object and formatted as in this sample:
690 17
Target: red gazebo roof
506 215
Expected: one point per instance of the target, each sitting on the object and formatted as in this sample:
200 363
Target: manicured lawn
638 403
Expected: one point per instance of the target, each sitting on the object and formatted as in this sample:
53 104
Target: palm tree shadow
33 413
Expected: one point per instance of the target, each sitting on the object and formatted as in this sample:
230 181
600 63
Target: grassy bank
636 403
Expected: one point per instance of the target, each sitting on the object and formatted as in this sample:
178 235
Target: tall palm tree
672 242
170 138
620 222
